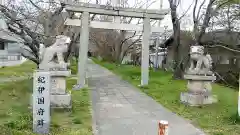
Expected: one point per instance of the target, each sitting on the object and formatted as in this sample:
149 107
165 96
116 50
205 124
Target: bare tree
31 22
176 36
201 19
119 43
38 22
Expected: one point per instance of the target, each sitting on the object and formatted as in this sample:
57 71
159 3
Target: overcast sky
182 8
185 7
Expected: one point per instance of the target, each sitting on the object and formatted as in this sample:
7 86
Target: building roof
7 36
230 39
226 37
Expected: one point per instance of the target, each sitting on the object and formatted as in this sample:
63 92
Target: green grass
215 119
16 117
20 70
73 66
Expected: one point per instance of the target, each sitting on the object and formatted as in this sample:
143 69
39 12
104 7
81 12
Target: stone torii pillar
83 49
145 51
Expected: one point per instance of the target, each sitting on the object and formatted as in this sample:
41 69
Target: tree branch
213 44
36 6
194 11
185 12
200 7
206 20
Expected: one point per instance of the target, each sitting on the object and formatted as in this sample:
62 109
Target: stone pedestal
61 101
199 90
59 97
197 99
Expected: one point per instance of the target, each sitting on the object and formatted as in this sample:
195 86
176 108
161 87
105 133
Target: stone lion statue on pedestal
200 64
47 54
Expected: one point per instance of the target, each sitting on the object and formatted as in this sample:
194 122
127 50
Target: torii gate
86 9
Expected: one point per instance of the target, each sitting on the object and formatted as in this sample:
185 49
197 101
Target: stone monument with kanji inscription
199 77
51 60
41 102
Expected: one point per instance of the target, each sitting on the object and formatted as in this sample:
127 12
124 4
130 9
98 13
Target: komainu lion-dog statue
48 55
200 64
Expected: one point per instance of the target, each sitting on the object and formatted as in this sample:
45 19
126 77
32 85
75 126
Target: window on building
2 46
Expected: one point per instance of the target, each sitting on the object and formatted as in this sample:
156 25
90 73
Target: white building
9 46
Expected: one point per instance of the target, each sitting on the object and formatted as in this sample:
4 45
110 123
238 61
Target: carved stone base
197 99
58 85
65 73
53 66
199 85
61 101
201 72
199 77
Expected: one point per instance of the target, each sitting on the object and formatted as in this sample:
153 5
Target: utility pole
157 41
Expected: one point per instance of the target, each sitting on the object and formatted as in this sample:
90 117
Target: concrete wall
160 58
151 56
169 60
13 48
126 59
3 52
12 63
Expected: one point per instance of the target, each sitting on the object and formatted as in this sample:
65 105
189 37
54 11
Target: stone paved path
121 109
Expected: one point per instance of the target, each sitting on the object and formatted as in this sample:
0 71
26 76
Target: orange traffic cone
163 127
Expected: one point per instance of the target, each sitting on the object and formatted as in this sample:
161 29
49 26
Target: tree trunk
119 48
178 66
206 20
176 44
